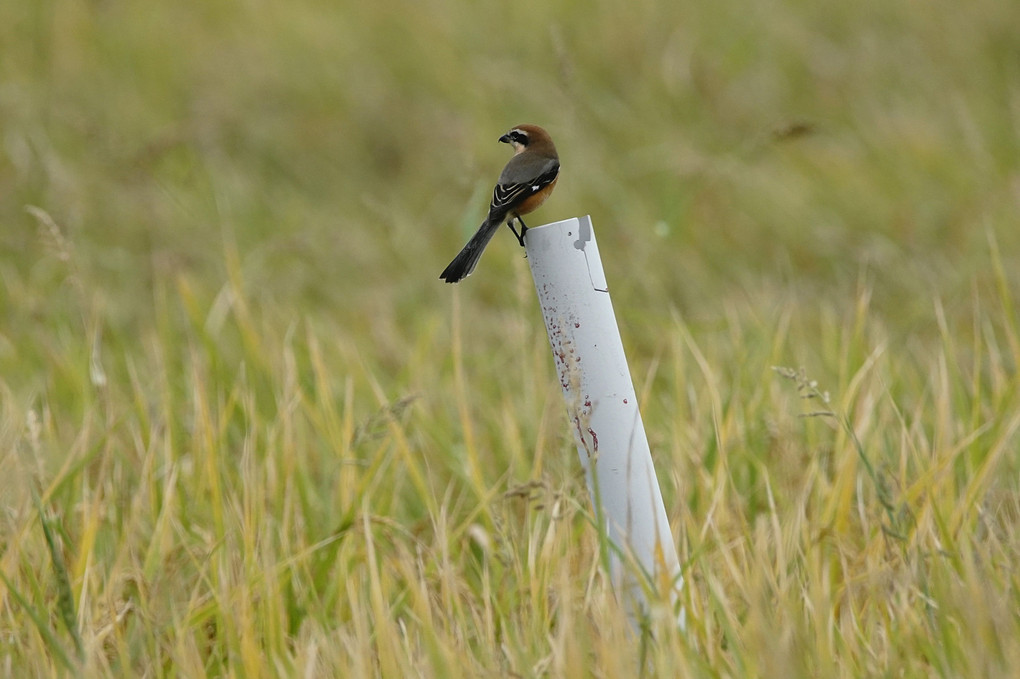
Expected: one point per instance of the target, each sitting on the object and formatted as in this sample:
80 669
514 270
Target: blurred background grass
227 219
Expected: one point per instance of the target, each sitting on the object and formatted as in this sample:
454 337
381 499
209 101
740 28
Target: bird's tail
464 263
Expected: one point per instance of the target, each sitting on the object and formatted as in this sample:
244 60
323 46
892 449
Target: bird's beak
505 138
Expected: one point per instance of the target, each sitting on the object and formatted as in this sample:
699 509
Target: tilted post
603 408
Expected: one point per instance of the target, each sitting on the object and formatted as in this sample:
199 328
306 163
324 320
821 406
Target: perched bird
525 183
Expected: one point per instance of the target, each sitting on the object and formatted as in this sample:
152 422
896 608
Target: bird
525 183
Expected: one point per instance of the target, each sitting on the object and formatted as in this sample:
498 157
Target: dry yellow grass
245 431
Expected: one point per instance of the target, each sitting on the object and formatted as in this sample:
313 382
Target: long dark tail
464 263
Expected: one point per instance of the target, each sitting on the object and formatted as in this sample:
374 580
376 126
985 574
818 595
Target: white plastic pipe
603 408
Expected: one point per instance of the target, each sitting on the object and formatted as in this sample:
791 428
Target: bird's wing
522 179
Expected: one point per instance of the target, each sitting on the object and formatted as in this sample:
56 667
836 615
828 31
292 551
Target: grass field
245 430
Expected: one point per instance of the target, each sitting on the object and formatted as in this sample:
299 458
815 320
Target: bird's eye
520 138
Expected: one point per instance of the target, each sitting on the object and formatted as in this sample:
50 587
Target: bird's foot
520 236
524 230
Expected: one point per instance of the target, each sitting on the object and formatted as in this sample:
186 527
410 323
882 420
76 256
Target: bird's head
523 136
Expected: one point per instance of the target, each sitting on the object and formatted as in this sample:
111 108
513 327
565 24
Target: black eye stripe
519 137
